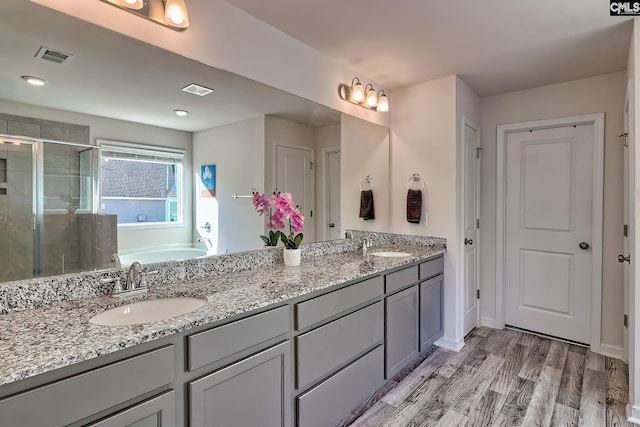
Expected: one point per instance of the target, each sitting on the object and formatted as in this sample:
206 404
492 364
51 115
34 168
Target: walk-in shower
48 208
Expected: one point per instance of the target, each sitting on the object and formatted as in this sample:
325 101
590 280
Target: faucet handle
117 281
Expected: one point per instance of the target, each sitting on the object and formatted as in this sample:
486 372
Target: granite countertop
39 340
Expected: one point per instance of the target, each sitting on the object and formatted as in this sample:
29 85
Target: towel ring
415 178
367 180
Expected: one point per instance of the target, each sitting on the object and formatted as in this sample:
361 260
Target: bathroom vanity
273 346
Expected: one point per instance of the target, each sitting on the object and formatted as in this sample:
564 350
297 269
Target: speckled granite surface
38 340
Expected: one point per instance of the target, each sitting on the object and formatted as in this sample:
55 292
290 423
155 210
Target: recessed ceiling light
35 81
181 113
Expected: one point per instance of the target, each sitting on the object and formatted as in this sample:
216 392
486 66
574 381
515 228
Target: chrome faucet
135 270
368 242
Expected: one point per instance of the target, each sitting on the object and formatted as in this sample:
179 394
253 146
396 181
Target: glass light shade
383 103
34 81
372 98
175 13
129 4
357 93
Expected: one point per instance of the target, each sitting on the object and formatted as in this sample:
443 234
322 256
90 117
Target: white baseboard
449 344
633 414
489 322
613 351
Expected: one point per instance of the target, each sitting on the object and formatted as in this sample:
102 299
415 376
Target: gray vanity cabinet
431 324
252 392
157 412
401 344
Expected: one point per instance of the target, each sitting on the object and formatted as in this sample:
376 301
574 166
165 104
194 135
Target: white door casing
332 194
547 230
294 174
627 197
471 140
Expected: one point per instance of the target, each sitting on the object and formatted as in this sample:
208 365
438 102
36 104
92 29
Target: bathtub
161 254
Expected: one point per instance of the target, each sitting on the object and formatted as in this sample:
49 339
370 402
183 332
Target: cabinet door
401 344
156 412
430 311
254 392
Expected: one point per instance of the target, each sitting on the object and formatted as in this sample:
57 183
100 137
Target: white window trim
167 152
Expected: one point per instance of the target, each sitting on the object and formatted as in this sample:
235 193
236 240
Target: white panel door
549 195
333 195
470 263
294 174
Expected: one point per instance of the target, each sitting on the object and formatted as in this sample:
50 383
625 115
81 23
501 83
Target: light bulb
383 102
357 92
372 99
129 4
181 113
175 13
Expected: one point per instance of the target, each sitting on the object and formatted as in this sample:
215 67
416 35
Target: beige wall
119 130
598 94
364 151
425 139
238 152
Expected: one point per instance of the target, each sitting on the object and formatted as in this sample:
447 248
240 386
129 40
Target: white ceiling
118 77
496 46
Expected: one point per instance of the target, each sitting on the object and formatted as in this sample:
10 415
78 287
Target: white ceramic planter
292 257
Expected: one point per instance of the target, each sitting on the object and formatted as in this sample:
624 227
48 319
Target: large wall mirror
96 162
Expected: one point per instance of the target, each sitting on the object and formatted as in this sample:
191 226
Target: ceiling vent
197 89
53 55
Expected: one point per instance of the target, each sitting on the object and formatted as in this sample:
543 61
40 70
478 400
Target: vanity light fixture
170 13
181 113
35 81
364 96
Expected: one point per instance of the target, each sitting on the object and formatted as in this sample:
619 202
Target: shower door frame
37 182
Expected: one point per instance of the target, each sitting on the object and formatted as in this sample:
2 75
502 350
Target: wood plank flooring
507 378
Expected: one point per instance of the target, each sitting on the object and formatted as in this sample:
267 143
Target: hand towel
414 206
366 205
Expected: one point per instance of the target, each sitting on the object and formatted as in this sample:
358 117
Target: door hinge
311 213
625 231
626 320
478 223
477 293
311 165
478 149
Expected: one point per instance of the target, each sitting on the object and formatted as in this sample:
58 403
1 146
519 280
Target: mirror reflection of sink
147 311
391 254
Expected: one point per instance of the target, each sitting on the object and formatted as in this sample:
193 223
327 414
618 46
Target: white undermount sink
147 311
391 254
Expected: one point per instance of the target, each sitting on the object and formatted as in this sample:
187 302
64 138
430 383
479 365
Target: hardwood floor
507 378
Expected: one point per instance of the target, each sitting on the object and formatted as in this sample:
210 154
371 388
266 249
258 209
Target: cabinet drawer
325 306
217 343
431 268
331 401
331 345
80 396
157 412
400 279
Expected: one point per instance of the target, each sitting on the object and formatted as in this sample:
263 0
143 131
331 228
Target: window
142 184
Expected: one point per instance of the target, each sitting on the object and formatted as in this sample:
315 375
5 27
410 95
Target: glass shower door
19 255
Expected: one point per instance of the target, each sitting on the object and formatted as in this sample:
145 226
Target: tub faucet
135 270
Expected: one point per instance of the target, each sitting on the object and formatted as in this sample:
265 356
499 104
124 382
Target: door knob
468 241
331 225
622 258
584 245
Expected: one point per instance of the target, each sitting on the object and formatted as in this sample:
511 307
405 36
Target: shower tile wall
62 237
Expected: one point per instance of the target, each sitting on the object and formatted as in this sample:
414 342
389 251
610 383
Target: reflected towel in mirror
366 205
414 206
